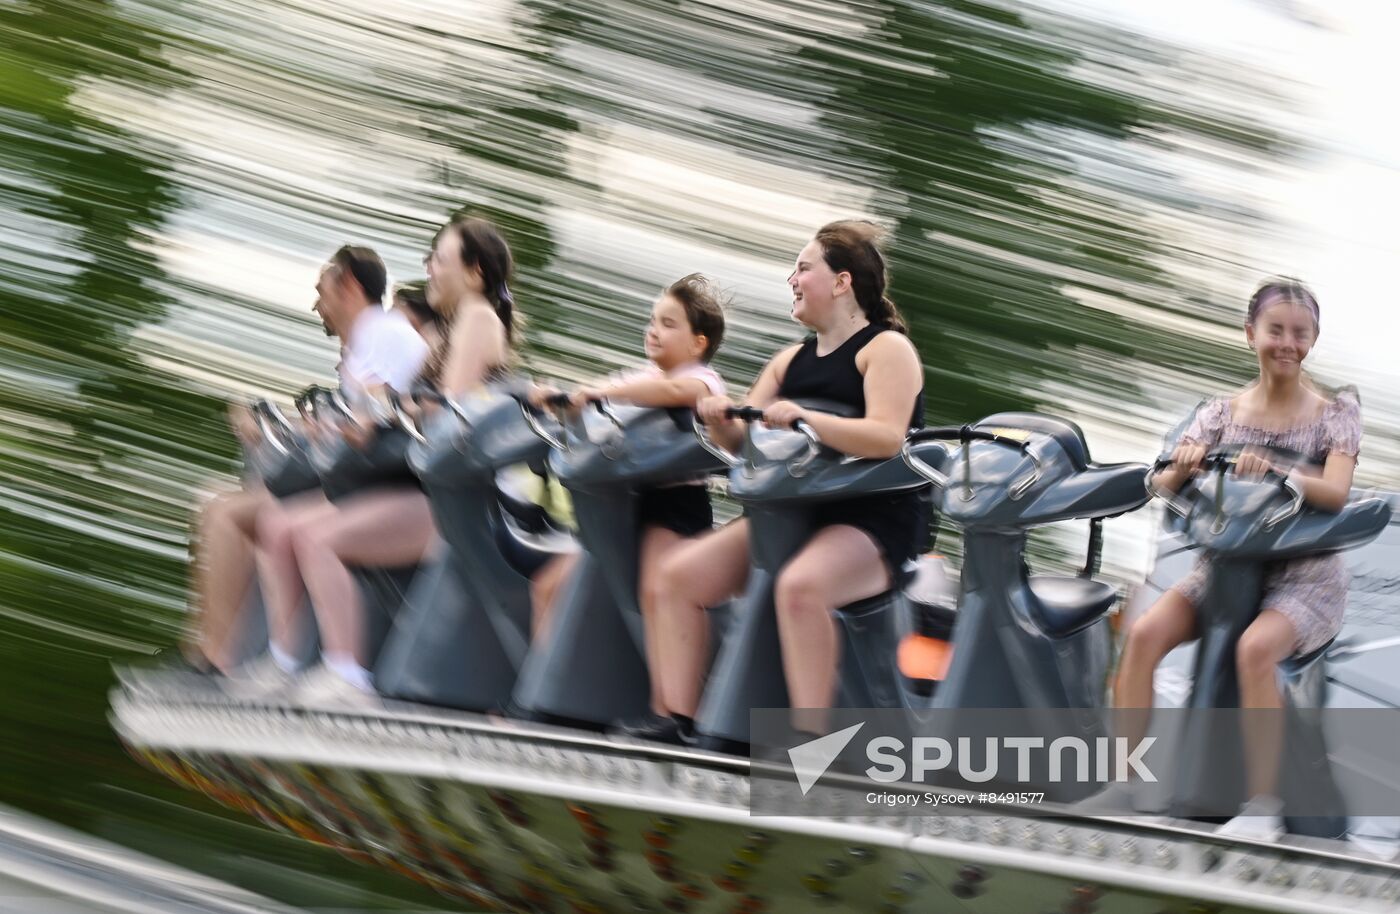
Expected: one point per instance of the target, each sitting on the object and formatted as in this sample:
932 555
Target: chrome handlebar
703 436
1221 462
532 420
265 414
797 467
921 466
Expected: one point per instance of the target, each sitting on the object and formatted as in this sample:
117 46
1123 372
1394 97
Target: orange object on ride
922 657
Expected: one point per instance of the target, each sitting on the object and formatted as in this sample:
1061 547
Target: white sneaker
260 679
323 687
1261 819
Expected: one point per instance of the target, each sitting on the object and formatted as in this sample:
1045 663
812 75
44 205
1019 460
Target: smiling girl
1304 598
858 356
682 336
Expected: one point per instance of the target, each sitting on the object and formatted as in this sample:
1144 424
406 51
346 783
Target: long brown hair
485 248
853 246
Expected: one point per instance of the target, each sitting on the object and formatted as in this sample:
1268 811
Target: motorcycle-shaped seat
779 477
344 469
465 632
1023 640
591 670
1243 526
281 461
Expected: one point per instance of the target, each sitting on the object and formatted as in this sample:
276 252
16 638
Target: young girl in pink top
683 334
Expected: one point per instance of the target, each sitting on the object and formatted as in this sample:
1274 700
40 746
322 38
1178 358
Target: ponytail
886 314
504 303
484 248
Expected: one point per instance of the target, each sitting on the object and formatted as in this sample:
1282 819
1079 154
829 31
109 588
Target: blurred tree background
173 173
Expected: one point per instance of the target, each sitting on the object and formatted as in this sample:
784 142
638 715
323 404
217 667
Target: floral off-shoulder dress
1311 591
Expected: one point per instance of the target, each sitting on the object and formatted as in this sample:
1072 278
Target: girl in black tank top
896 522
834 377
838 284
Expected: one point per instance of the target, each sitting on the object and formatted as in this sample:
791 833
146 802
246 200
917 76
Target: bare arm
893 379
1329 491
729 433
477 345
661 393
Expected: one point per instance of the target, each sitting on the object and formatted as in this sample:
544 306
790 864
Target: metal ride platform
523 817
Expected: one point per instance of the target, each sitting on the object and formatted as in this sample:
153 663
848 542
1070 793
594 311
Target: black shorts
897 523
684 509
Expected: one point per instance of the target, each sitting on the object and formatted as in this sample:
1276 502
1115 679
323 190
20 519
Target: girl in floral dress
1304 598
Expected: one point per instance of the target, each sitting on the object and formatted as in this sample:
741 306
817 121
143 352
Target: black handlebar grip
744 413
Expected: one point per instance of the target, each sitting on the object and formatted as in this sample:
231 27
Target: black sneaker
656 728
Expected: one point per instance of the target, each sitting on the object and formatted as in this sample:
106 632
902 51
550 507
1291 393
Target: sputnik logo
811 759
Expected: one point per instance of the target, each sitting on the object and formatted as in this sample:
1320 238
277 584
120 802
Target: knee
306 539
216 512
1256 657
798 592
1147 643
274 531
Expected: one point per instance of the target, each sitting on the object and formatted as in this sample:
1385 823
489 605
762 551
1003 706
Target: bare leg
544 590
224 565
278 573
1269 639
375 529
697 574
1167 623
839 565
657 544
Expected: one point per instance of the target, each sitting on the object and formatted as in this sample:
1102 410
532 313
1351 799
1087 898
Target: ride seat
1064 605
1067 435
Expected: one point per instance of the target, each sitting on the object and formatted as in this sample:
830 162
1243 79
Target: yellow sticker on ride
1015 434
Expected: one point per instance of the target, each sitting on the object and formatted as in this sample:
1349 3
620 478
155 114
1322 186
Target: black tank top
834 376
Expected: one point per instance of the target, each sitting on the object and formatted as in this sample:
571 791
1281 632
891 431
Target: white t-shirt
382 348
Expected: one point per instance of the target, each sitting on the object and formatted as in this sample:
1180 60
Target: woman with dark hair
858 355
392 526
468 275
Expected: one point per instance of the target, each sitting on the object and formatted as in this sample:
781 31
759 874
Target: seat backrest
1068 435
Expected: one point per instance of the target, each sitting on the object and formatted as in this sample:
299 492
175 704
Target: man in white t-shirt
381 347
378 348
